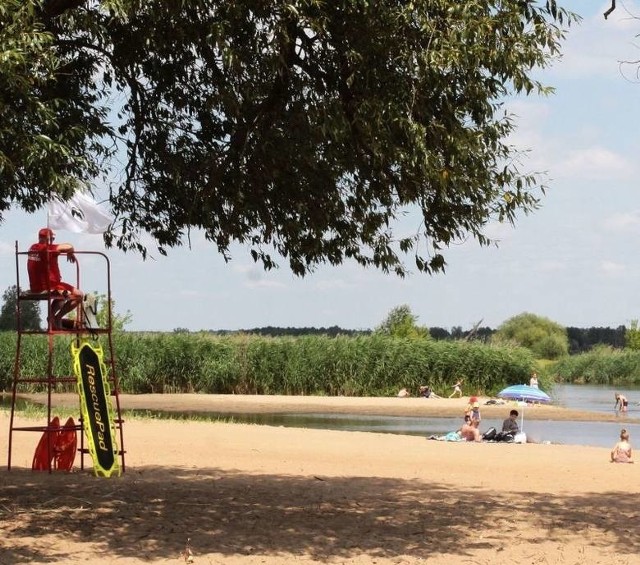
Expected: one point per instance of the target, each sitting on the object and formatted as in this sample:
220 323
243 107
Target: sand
238 494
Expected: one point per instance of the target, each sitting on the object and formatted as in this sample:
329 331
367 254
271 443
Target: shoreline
230 404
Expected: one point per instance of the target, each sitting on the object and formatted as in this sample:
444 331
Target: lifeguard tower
77 360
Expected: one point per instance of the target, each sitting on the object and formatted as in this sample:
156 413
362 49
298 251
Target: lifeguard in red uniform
44 276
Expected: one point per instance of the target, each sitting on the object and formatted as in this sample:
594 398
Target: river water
578 397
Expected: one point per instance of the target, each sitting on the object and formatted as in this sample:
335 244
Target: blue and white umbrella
524 393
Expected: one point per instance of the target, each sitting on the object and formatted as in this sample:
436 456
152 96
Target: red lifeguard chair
51 380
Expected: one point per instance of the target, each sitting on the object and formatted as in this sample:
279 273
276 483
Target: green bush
546 339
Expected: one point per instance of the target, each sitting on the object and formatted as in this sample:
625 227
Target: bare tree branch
613 7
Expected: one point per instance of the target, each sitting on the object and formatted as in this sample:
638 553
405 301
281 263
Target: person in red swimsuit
44 276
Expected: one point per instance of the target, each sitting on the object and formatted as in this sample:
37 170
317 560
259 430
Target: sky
576 260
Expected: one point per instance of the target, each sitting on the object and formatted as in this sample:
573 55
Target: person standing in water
621 403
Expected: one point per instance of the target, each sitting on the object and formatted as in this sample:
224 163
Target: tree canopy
401 322
545 338
632 336
29 312
301 129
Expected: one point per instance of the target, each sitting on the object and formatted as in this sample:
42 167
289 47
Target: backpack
504 436
489 435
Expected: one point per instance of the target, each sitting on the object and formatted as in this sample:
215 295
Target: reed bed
602 365
371 365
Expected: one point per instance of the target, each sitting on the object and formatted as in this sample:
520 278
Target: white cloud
264 284
529 116
623 222
7 249
191 293
551 266
334 284
242 269
595 163
256 277
529 111
612 269
499 231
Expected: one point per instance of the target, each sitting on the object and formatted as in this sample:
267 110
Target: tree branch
55 8
613 7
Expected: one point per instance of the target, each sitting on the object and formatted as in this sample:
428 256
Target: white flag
79 214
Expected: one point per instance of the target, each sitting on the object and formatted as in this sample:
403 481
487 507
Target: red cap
45 232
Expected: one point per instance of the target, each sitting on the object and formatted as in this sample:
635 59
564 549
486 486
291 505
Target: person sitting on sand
403 393
621 452
510 428
510 425
467 422
470 431
453 436
427 392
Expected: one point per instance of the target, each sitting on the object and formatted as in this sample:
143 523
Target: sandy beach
214 493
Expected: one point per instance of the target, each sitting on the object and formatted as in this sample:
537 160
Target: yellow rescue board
96 407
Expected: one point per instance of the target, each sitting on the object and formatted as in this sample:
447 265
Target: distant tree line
400 322
584 339
580 339
456 332
274 331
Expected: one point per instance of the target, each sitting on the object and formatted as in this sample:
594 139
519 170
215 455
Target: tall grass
602 365
371 365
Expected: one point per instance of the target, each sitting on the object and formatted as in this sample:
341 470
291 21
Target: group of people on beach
470 430
424 391
621 452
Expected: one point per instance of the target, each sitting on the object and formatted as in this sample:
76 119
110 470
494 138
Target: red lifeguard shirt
43 269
